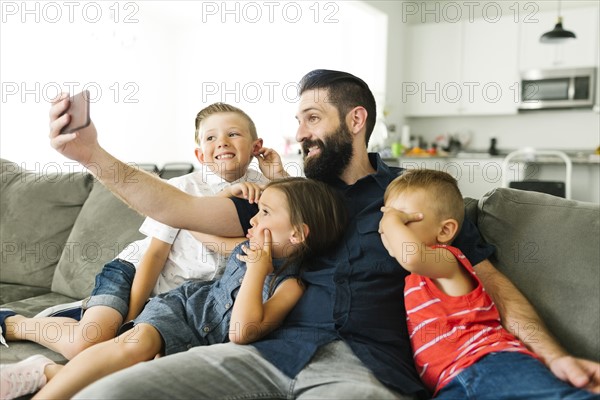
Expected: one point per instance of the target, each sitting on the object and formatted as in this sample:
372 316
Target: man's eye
313 118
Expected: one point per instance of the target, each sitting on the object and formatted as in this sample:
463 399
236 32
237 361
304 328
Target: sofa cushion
548 247
104 227
37 211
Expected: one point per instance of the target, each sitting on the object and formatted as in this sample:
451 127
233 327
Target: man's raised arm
144 192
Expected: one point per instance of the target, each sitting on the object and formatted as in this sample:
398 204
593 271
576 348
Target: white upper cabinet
463 68
490 67
433 54
580 52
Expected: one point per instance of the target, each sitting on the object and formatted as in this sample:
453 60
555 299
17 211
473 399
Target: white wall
170 56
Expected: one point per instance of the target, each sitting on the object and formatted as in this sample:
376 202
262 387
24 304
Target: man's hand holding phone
72 133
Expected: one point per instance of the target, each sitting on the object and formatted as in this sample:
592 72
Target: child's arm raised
146 275
415 256
251 319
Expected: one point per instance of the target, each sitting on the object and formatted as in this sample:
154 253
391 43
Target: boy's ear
256 146
448 230
299 237
199 155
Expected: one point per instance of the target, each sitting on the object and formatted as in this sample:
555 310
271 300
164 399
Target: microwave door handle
571 90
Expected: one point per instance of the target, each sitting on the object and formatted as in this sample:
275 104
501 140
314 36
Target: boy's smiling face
226 145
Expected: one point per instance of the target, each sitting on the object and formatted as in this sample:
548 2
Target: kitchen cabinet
433 54
490 63
462 68
581 52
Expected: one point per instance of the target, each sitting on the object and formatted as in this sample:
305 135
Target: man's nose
302 133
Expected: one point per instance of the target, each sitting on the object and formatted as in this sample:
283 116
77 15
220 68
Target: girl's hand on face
258 256
246 190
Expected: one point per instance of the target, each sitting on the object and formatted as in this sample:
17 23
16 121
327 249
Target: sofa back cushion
37 211
105 226
549 248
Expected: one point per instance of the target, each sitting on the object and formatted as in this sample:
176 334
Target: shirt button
240 280
227 306
206 328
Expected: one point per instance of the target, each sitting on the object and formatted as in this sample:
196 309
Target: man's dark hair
345 91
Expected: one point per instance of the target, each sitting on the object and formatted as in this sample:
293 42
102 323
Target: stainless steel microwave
558 88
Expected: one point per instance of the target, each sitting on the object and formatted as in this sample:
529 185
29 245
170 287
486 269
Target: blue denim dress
198 313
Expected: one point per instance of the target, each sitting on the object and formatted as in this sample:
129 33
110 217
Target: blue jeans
113 287
510 375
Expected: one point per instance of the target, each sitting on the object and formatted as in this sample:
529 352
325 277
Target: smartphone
79 110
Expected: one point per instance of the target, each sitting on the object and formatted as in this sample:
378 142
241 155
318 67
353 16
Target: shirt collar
381 176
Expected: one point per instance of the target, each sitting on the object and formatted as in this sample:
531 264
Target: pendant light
558 34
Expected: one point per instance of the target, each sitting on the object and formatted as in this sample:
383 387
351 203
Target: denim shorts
178 315
510 375
113 287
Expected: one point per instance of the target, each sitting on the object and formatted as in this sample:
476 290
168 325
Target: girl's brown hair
312 203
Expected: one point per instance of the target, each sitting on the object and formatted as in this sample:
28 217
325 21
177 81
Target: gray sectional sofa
57 231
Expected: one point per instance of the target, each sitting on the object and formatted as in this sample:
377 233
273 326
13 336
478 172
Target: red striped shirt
450 333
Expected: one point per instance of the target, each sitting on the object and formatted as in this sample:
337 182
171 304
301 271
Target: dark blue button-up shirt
355 292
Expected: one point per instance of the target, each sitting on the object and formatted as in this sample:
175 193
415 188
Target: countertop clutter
577 157
478 171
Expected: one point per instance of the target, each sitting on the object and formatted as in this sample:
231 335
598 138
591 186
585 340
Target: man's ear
356 119
299 237
199 155
448 230
256 146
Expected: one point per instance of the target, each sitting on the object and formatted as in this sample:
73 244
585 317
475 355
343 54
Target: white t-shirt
188 258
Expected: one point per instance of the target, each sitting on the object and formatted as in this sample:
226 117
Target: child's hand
244 190
392 214
270 163
258 257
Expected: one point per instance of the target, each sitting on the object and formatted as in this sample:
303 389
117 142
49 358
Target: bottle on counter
493 151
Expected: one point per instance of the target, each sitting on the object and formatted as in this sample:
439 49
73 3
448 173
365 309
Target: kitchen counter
576 157
479 172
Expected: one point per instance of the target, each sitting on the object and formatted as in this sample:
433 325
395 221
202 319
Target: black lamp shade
557 35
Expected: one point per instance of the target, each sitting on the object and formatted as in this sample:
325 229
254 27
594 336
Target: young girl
297 218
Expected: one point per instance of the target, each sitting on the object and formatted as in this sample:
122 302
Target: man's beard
335 155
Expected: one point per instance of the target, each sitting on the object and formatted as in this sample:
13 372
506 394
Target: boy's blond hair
216 108
442 192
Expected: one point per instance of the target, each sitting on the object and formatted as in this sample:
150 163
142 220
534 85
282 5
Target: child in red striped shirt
459 345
